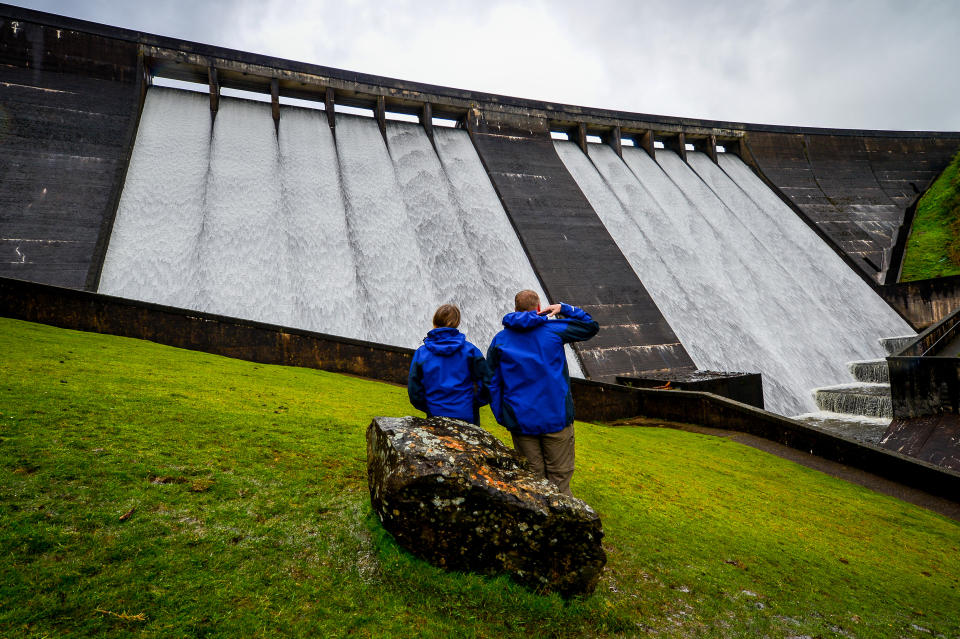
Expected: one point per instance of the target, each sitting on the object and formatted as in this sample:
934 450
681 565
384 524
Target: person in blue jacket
530 388
449 376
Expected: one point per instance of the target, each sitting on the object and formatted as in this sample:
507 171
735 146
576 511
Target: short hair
448 316
526 300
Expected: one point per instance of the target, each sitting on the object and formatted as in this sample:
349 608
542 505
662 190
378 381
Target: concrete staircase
862 409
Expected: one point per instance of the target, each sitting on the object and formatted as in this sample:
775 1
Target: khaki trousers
551 456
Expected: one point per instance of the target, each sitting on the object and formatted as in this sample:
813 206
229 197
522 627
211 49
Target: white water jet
243 261
153 253
321 260
745 285
399 295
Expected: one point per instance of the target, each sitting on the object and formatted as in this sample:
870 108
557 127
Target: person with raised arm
530 387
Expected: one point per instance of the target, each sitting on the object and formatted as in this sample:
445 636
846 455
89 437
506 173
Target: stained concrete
70 103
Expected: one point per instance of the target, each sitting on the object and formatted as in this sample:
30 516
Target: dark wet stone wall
923 303
854 190
69 104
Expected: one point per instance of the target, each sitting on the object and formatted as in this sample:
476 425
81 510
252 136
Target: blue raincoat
530 387
449 377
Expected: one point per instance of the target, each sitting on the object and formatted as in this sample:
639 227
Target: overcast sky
869 64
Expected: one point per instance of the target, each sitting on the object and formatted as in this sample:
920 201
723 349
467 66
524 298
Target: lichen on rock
454 495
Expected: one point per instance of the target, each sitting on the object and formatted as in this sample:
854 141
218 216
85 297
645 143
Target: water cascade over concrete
243 241
343 234
743 282
398 297
322 258
154 250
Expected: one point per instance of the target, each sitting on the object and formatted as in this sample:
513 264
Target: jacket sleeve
415 390
579 325
481 375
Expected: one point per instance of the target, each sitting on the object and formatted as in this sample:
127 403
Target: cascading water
873 371
399 294
449 259
743 282
154 250
858 398
322 261
244 247
342 234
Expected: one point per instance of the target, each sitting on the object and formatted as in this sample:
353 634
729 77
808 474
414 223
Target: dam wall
853 188
359 225
68 113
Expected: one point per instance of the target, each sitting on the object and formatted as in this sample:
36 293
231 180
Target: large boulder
454 495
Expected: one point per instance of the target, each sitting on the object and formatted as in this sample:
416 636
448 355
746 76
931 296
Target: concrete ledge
193 330
933 340
746 388
595 401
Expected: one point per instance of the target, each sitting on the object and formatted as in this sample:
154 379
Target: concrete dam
695 244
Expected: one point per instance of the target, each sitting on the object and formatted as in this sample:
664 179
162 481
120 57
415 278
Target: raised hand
550 311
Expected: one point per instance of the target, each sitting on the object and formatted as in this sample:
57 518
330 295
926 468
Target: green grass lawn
153 492
933 248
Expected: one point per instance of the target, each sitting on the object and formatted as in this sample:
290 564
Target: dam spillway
349 235
739 278
357 226
354 234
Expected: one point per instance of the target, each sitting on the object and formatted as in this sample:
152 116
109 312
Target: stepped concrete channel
860 410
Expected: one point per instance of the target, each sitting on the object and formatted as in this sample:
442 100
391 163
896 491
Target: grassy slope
933 248
262 526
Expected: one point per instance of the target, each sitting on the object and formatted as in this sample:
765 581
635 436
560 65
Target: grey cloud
856 64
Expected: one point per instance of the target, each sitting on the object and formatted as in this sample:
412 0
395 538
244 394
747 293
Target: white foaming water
295 229
398 294
500 257
745 285
326 292
243 261
449 260
153 253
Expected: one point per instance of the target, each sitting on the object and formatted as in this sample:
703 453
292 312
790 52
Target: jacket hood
523 320
444 341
